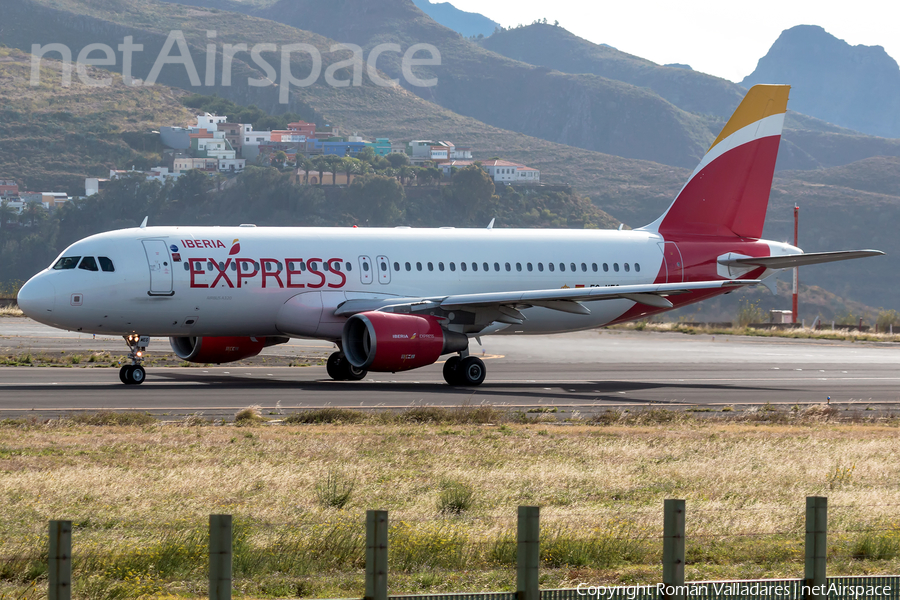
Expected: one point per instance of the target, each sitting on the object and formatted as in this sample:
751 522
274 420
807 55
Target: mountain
852 86
807 143
52 137
462 22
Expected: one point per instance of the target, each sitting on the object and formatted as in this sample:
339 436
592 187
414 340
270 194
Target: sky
723 38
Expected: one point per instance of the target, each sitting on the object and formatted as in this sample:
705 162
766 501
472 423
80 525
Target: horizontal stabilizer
798 260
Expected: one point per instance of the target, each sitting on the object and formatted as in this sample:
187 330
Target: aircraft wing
798 260
565 300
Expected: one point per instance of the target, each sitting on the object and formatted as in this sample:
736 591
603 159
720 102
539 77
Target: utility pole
796 287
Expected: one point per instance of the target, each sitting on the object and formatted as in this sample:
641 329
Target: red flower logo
235 248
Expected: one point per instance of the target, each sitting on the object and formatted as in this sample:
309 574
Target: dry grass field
139 493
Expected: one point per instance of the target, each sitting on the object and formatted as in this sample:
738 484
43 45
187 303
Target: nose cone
37 298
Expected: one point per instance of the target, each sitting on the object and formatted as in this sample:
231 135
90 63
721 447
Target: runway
584 372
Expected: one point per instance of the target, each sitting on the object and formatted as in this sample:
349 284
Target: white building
210 122
501 171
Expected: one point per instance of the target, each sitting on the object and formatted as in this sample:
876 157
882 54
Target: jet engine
388 342
221 349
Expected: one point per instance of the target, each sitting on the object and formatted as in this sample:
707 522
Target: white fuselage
193 281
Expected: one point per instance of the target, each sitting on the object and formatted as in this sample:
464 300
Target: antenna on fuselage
144 222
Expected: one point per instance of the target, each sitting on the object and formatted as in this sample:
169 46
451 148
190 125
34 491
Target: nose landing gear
134 374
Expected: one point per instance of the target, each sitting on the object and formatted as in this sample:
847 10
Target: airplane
394 299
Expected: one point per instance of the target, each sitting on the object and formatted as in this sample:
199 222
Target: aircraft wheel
353 373
337 367
123 374
452 371
138 374
471 371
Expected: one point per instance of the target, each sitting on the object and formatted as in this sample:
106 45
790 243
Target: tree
377 199
367 154
348 165
360 168
7 214
397 160
304 164
279 158
472 189
33 211
334 163
320 164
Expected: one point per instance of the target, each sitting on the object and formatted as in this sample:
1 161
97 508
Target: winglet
144 222
491 224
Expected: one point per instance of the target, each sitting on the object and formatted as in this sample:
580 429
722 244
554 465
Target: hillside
586 111
53 137
808 142
460 21
852 86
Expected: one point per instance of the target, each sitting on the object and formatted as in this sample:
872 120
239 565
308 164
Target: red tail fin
728 192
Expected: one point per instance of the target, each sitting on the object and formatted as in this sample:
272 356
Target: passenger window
616 267
234 266
462 265
562 266
584 267
408 267
551 266
594 267
637 267
384 266
541 267
312 266
366 267
396 267
209 265
508 268
186 267
572 266
431 267
627 268
519 267
486 266
529 267
418 266
336 267
66 263
496 266
325 266
106 264
605 268
453 266
441 266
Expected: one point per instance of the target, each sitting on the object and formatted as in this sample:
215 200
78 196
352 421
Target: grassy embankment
139 493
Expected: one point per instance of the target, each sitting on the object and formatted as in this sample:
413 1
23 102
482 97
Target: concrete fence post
376 554
816 548
528 553
59 561
220 544
673 548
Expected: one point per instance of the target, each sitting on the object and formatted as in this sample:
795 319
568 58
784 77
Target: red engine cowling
220 349
388 342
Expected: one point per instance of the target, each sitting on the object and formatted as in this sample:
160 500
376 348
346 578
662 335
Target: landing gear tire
452 371
132 374
340 369
471 371
138 375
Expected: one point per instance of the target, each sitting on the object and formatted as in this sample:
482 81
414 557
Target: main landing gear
134 374
340 369
464 371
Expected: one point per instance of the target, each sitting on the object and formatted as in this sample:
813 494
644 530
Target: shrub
327 415
248 416
335 490
749 312
456 497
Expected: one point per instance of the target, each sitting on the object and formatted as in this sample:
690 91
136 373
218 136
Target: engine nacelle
220 349
388 342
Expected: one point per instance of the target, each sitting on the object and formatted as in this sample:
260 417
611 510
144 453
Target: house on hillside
92 185
9 188
501 171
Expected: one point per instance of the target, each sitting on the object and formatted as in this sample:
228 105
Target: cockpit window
106 264
88 264
66 262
